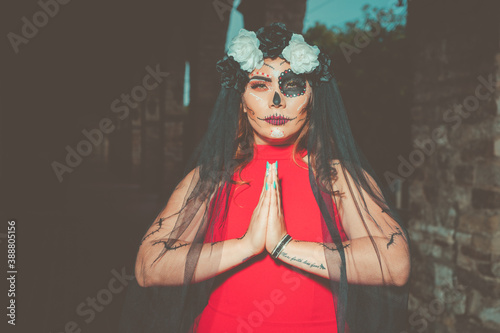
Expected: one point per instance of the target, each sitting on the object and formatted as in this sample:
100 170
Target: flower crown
248 49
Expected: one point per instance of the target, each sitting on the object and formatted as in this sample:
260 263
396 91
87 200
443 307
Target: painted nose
276 98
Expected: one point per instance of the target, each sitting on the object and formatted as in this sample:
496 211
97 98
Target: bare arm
161 264
365 269
215 258
375 232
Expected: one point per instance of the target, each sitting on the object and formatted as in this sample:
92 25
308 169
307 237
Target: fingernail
274 184
266 187
276 165
267 169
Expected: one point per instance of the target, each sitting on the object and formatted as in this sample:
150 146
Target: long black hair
202 197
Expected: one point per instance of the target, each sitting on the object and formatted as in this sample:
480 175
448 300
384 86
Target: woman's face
275 101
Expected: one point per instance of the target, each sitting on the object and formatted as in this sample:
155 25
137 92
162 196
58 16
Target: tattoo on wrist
303 261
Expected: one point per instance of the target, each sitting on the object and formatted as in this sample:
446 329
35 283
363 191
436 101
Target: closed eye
258 85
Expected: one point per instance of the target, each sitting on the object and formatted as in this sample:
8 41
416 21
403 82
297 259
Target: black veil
368 273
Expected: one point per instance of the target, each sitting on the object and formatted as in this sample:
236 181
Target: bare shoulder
339 181
163 223
334 162
193 175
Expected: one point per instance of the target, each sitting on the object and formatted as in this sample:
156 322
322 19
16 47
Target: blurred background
102 104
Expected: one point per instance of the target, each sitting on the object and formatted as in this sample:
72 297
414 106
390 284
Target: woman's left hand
276 227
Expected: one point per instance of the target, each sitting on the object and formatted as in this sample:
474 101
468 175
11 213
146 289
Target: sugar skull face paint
276 108
277 133
291 84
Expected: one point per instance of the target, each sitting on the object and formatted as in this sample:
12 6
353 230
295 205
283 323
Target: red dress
264 294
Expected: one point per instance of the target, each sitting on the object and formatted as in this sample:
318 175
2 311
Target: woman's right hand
255 237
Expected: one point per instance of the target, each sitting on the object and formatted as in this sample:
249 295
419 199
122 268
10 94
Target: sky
327 12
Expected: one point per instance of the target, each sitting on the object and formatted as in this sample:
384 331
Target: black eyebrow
282 62
269 66
263 78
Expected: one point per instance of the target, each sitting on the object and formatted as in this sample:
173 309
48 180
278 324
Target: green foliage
375 46
371 64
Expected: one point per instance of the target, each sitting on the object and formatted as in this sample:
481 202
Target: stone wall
455 188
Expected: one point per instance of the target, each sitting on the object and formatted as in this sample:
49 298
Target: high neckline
272 152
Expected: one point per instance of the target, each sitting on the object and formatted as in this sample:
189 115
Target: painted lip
277 120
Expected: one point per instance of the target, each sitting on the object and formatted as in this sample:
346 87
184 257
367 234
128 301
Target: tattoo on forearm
324 245
304 261
167 248
391 241
160 222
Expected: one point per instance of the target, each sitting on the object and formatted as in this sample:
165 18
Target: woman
280 225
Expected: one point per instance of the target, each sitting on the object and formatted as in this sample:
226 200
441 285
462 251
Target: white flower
244 48
303 58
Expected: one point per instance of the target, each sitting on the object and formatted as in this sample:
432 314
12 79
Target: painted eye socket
258 85
291 84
